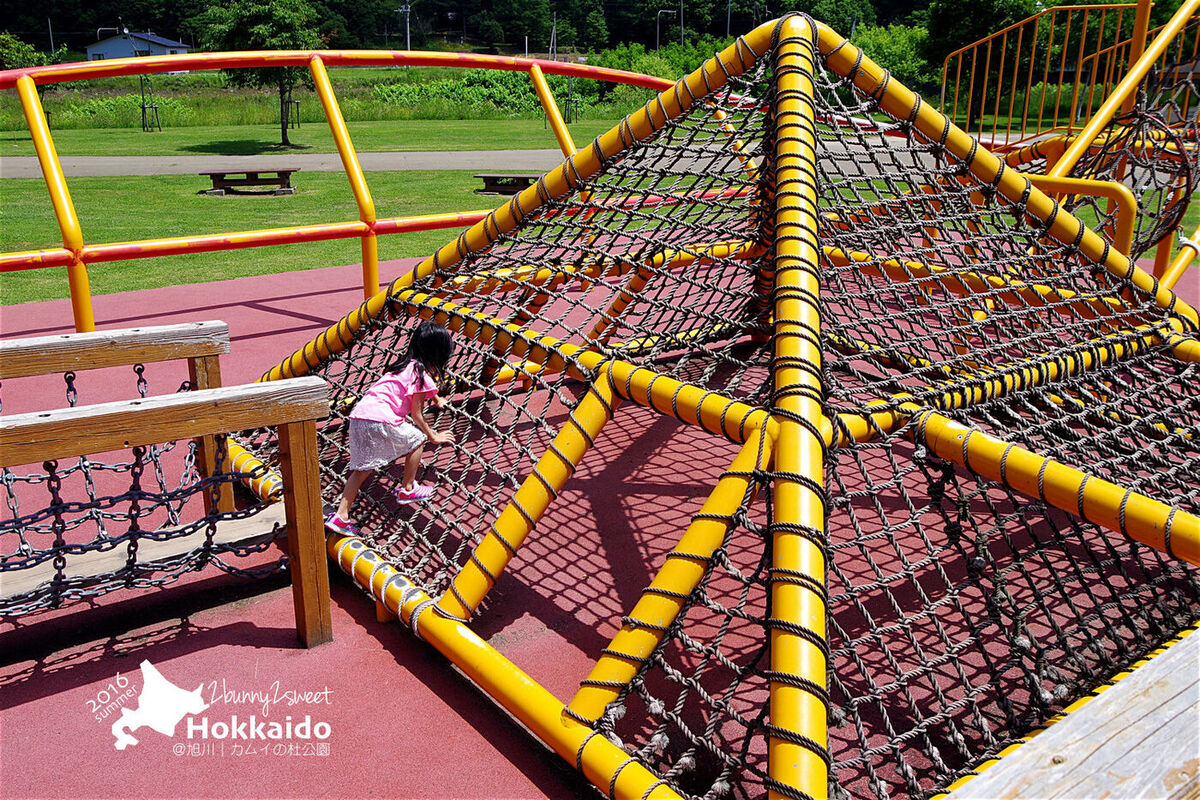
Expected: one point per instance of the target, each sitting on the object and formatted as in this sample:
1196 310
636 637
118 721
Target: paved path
104 166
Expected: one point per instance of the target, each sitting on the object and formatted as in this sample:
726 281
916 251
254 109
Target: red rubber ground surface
402 722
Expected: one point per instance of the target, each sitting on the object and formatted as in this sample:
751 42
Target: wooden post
306 531
204 372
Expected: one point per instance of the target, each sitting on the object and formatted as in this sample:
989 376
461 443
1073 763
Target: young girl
380 431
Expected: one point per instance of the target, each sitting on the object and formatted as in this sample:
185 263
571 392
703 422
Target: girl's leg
354 482
411 462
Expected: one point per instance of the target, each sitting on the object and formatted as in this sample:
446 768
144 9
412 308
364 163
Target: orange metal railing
75 255
1044 73
1050 86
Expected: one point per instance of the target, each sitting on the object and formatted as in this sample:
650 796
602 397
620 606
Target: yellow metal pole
1118 193
1141 518
714 73
266 483
370 263
606 324
586 162
358 182
686 402
1009 291
60 197
798 744
1126 90
845 59
530 501
607 766
684 568
1185 257
565 143
1137 44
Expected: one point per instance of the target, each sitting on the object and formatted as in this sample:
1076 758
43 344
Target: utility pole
406 8
681 23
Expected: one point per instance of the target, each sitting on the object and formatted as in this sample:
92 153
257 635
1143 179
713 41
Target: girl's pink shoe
338 525
421 491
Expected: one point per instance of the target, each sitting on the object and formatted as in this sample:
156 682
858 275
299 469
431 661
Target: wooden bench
506 182
234 179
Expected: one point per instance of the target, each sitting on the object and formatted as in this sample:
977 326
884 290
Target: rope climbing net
965 429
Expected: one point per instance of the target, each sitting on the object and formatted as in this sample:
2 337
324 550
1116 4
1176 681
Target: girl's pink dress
380 431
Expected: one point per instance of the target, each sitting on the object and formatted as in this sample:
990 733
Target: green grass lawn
378 136
133 208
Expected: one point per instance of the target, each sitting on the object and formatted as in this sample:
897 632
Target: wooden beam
43 355
204 372
95 564
45 435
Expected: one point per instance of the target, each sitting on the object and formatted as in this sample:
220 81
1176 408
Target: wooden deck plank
96 563
1140 738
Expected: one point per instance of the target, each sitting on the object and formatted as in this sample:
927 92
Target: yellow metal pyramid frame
790 438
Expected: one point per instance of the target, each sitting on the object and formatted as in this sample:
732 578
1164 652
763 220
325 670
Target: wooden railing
207 412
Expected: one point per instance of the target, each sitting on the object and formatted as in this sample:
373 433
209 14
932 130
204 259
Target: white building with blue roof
134 44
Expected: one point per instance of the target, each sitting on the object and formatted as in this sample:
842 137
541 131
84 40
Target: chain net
962 614
78 528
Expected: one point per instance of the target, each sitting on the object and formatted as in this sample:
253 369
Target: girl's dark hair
431 347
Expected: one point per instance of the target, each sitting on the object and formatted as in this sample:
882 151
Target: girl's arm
418 417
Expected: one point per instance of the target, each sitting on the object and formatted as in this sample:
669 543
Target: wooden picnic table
233 179
506 182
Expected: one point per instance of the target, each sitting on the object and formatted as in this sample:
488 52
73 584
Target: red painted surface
403 723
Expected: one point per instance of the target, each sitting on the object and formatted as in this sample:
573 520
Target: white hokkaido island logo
162 706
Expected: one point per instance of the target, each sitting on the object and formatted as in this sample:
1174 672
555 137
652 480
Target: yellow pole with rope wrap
530 501
845 59
685 566
798 744
602 762
1166 528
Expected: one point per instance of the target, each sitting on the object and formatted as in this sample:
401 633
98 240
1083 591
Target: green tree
489 29
521 18
264 25
900 49
16 54
950 28
844 16
591 27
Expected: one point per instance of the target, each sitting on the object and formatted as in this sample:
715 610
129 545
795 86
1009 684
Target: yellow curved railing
75 255
1009 62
